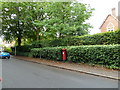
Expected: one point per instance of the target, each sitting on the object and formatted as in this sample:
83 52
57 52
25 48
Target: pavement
82 68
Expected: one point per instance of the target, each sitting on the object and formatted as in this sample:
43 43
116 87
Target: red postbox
64 54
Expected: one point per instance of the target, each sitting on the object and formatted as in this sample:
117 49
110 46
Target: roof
116 18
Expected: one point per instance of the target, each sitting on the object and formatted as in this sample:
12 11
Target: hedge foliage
28 54
107 55
47 53
92 49
103 55
8 50
100 39
25 48
96 39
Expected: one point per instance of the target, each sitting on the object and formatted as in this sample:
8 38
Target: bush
47 43
25 48
96 54
8 50
47 53
107 55
106 38
28 54
36 44
100 38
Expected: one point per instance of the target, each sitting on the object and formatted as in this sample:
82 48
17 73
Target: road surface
0 74
22 74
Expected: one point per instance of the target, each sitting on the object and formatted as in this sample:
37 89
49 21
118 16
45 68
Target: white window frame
110 28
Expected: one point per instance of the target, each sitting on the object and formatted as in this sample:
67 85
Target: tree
37 13
36 20
14 21
18 20
66 19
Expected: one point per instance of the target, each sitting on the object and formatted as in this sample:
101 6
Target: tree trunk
19 41
37 35
18 27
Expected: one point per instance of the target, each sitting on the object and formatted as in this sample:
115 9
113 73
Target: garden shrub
105 38
36 44
28 54
22 49
106 55
8 49
47 53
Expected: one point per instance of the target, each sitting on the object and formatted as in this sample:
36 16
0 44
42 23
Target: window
110 27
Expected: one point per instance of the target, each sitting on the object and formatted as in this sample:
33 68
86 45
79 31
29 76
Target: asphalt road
22 74
0 74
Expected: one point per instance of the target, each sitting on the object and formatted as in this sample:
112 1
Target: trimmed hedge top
107 55
106 38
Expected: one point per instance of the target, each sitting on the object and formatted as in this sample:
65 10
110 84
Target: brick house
111 23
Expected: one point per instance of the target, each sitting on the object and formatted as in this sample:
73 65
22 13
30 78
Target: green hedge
28 54
25 48
47 43
106 55
106 38
8 50
47 53
22 50
99 39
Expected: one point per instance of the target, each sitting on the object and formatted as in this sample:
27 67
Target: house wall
108 20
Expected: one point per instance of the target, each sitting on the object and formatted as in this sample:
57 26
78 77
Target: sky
102 9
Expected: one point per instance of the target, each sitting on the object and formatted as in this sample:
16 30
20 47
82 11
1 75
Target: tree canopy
44 20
